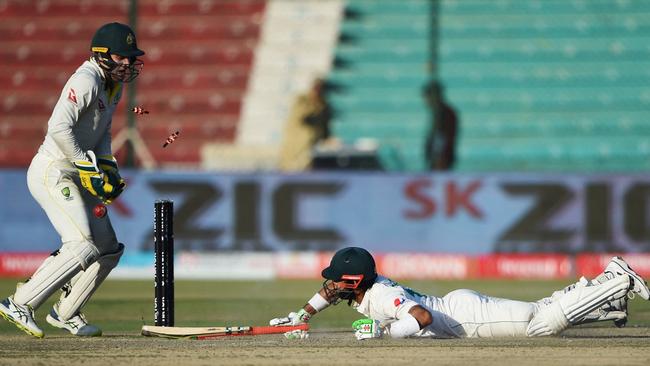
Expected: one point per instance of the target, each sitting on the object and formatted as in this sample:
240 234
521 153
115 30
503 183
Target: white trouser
84 237
70 214
472 314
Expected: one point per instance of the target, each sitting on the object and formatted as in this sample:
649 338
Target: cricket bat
216 332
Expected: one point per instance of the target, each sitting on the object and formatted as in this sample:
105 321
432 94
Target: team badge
129 38
72 96
399 301
66 193
101 105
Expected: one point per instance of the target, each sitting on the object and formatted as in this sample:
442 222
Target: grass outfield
120 308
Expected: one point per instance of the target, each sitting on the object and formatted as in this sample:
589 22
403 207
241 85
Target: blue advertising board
443 213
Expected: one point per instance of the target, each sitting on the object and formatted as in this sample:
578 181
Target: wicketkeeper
72 172
397 311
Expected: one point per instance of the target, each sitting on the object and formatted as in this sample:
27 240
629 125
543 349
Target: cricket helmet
117 39
351 267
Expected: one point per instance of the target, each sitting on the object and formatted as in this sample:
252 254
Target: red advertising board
20 264
308 265
591 265
519 266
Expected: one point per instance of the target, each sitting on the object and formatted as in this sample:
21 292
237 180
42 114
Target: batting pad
84 284
574 305
50 276
587 299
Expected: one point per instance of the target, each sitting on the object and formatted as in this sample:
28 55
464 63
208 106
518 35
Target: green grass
123 306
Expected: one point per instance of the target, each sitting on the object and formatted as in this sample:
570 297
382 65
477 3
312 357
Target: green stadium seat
550 85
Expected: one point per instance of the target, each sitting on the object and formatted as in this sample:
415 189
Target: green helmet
353 266
116 38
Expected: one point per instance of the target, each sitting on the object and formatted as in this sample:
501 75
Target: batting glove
301 317
296 334
367 328
92 179
108 164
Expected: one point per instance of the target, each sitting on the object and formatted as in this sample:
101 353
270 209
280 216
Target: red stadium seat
201 8
199 56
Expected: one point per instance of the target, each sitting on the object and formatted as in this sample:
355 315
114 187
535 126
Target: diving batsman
396 311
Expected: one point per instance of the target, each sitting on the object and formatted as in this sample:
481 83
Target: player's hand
301 317
108 165
367 328
296 334
92 179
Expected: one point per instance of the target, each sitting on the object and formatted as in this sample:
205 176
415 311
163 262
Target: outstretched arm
318 302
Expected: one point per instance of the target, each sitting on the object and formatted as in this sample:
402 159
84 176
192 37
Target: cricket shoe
77 325
615 310
21 315
619 305
618 267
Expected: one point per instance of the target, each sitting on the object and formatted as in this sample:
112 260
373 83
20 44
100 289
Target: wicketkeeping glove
92 178
108 165
367 328
293 318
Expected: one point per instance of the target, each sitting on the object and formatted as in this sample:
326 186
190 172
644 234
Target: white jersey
461 313
82 117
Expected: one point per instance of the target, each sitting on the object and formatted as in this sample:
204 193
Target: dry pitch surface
121 307
584 346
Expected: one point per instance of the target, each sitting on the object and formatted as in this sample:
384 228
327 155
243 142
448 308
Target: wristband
318 302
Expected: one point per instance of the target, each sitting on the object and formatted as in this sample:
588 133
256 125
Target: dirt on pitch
580 346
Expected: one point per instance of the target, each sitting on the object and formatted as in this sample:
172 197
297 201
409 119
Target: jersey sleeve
395 304
77 96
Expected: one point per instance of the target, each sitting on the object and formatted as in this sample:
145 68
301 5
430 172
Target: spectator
308 124
440 148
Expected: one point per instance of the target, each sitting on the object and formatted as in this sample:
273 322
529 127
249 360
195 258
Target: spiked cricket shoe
77 325
618 267
619 305
21 315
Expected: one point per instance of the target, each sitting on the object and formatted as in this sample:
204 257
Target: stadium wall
431 213
425 226
471 214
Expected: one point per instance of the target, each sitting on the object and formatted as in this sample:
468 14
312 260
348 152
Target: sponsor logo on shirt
72 96
399 301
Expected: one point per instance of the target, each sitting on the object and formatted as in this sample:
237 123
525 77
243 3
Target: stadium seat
547 85
197 66
379 69
532 81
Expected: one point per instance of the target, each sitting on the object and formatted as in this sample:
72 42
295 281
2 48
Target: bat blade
190 332
215 332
